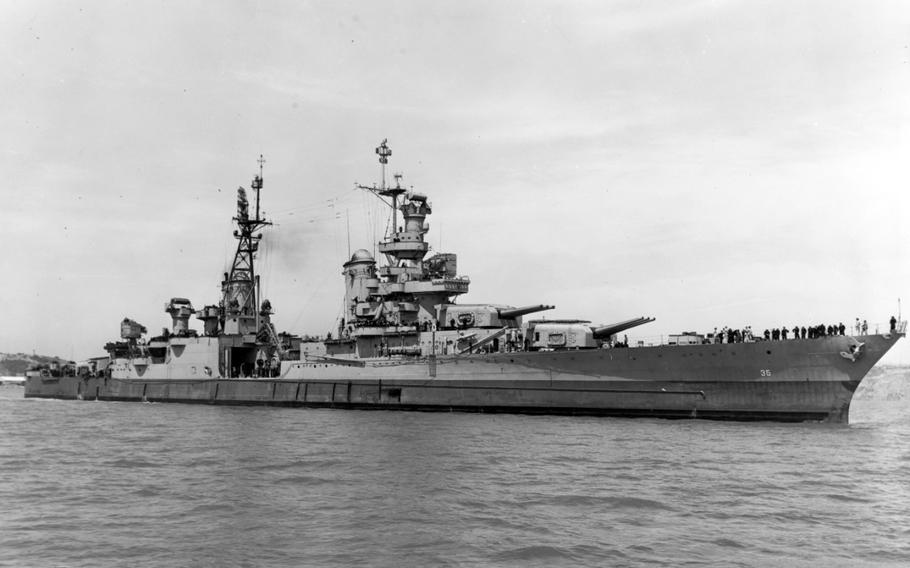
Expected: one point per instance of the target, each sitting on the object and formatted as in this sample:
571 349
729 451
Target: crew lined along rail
783 333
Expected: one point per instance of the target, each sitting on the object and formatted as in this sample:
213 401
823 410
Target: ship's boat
404 342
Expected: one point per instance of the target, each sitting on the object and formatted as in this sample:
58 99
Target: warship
404 342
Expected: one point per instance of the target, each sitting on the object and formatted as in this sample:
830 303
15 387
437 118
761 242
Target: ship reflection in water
405 343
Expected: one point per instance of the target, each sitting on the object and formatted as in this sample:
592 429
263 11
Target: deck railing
656 340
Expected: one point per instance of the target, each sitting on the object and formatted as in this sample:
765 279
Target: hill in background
15 364
885 382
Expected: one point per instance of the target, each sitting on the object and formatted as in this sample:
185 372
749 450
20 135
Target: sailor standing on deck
893 323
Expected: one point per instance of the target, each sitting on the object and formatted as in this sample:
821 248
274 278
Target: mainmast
240 286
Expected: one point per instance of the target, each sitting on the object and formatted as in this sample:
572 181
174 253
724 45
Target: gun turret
516 312
613 328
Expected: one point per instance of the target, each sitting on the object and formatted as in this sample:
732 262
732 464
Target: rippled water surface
131 484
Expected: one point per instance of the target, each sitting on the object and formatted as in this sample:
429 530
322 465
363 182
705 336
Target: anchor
856 350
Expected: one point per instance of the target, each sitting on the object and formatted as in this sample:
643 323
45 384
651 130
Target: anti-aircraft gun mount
131 332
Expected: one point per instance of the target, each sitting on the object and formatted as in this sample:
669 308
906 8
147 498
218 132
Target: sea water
136 484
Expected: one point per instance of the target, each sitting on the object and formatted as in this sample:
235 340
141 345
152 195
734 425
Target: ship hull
805 380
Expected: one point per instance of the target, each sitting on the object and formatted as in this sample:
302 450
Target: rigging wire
325 215
309 298
337 196
267 248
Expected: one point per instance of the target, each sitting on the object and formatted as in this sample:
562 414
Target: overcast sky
704 163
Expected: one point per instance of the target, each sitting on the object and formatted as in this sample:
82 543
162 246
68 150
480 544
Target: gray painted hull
795 380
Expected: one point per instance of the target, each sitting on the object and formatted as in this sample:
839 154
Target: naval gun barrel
515 312
608 330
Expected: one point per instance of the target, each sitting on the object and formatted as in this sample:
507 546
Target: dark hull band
730 415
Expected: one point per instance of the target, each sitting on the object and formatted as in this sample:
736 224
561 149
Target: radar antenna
384 152
257 183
